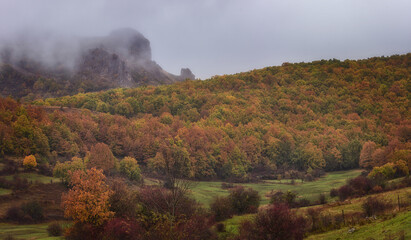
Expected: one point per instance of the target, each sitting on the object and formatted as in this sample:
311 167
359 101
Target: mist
211 37
47 48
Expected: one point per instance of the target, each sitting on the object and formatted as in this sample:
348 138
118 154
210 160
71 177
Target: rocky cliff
121 59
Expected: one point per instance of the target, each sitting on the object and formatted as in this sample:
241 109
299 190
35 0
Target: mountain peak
120 59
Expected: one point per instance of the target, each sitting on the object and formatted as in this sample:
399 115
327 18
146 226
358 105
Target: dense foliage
88 200
275 223
303 116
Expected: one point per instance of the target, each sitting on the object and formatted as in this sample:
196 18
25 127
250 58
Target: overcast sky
214 37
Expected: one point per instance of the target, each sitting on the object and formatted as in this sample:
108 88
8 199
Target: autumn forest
297 121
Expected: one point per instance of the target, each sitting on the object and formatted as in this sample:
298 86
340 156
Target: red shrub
375 206
360 185
333 192
83 231
194 228
119 229
277 222
221 208
344 192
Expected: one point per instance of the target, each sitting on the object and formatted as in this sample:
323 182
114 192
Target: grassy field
354 205
34 231
4 191
232 224
204 192
389 229
349 206
34 177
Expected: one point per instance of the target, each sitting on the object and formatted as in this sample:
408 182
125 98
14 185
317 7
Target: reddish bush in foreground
83 231
275 223
221 208
122 229
374 206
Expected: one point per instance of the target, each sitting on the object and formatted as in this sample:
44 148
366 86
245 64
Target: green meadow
32 231
398 227
34 177
204 191
4 191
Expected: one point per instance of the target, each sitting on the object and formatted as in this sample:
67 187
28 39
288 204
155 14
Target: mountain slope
270 121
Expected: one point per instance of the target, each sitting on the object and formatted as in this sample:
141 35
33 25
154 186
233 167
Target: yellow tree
30 162
88 200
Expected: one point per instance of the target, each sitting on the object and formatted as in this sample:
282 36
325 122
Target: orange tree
30 162
101 157
88 200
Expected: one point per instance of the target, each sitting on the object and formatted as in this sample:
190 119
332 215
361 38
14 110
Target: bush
165 201
333 192
374 206
122 229
288 198
277 198
4 183
322 199
44 169
163 227
387 170
15 214
10 167
401 168
303 202
344 192
221 208
314 217
55 229
61 170
227 185
277 222
220 227
123 202
360 185
83 231
377 189
318 173
244 200
20 184
34 210
406 182
309 178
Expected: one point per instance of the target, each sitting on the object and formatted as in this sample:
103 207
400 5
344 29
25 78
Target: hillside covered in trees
324 115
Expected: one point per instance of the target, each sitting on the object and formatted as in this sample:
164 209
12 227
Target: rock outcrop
121 59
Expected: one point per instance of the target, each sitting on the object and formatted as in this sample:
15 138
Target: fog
213 36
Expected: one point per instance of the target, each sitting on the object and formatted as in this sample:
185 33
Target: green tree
130 168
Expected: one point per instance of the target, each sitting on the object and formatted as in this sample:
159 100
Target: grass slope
389 229
204 192
352 205
4 191
34 177
33 231
355 205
